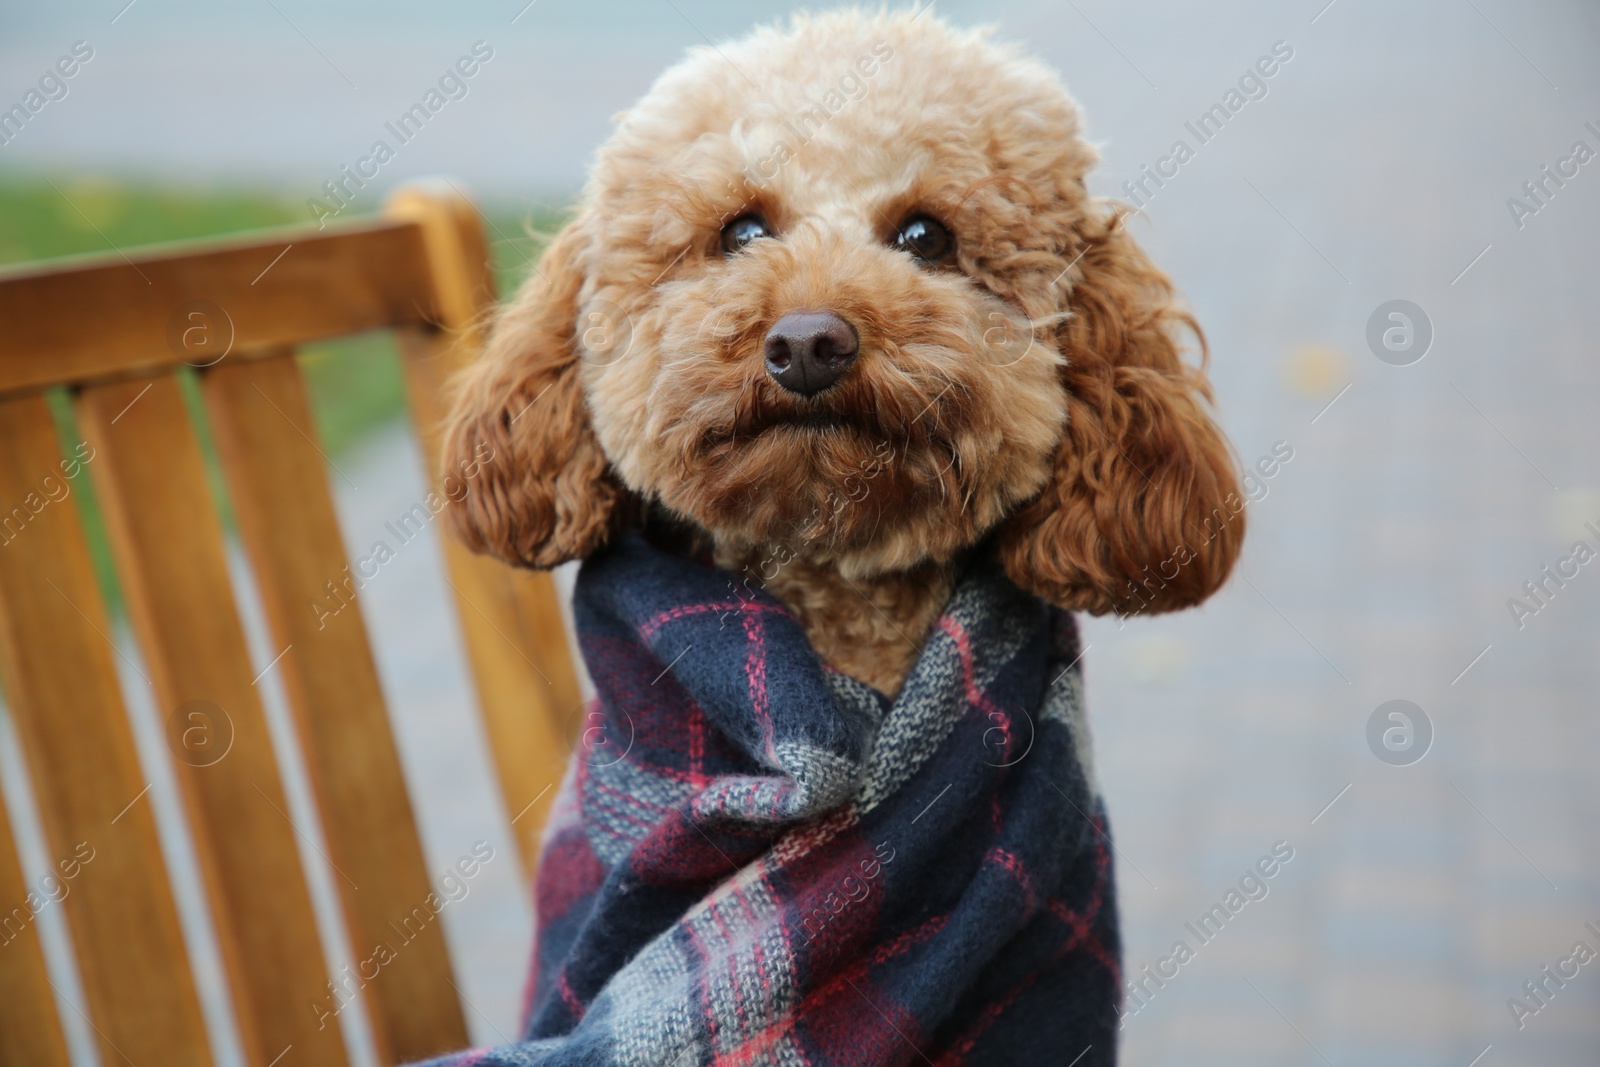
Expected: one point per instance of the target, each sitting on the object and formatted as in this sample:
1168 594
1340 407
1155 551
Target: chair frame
114 331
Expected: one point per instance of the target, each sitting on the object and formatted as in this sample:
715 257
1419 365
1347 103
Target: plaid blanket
757 860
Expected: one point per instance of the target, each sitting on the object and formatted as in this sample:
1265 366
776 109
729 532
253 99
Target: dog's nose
807 351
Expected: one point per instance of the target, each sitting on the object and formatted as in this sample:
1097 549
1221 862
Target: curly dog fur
1027 397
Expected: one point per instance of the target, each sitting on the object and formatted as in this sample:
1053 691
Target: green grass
355 382
47 217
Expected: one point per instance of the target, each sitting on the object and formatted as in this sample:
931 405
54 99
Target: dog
838 323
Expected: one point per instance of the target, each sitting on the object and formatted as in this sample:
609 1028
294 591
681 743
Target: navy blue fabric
757 860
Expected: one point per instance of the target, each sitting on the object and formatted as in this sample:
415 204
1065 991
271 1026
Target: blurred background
1444 450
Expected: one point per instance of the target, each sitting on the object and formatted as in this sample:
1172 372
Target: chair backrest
115 332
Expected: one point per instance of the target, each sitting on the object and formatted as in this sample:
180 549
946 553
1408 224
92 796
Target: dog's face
841 287
837 351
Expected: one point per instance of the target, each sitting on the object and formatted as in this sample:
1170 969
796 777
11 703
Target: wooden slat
114 317
261 418
511 619
168 543
30 1030
56 656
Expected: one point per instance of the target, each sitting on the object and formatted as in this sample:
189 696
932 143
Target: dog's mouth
808 421
818 421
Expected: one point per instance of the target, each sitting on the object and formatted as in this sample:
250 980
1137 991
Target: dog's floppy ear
1143 512
542 493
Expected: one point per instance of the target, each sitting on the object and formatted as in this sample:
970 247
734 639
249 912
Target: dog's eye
742 230
926 238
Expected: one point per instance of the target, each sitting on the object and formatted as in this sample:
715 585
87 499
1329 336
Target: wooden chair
114 331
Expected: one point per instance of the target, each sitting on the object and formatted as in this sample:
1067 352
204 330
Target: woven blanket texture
754 859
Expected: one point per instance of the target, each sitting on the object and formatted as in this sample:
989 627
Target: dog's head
841 286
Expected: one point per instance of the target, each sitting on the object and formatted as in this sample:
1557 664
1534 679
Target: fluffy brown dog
838 308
